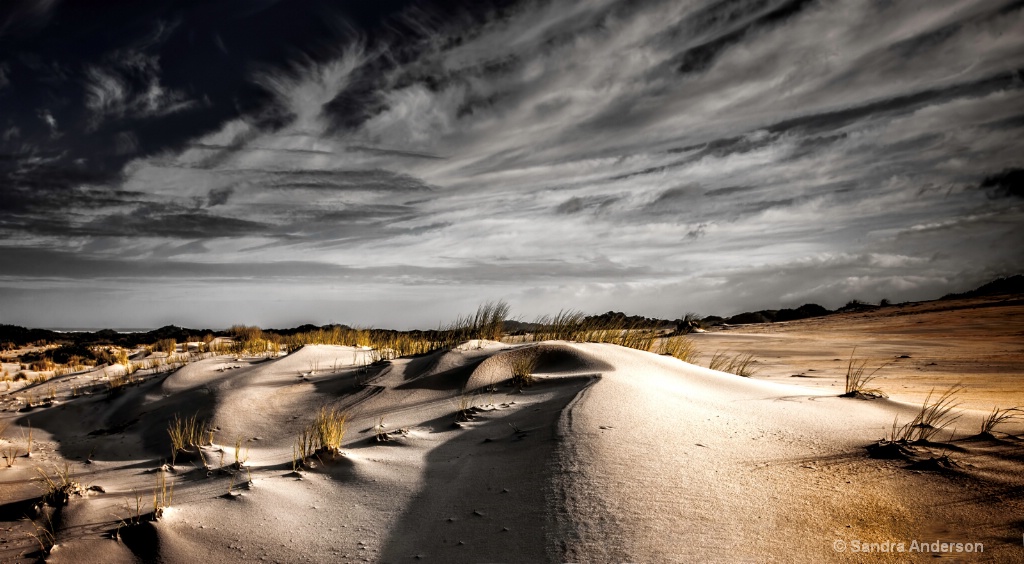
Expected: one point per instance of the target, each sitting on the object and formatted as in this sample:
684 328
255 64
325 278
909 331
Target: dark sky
394 163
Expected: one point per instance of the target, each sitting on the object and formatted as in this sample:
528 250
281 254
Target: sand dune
612 455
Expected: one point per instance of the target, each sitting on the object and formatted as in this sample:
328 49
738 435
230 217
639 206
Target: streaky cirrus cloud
653 157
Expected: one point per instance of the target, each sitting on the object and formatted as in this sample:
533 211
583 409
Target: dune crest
611 454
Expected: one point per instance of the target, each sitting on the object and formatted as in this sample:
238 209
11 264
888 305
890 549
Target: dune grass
184 434
241 457
10 455
329 430
132 517
323 436
521 363
1000 416
679 347
857 379
487 323
163 495
119 381
28 440
566 325
58 488
932 418
45 535
380 431
740 365
464 412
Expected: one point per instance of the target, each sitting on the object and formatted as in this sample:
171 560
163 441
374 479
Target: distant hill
999 287
1012 285
13 336
771 315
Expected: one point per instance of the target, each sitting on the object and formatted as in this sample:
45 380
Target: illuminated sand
613 455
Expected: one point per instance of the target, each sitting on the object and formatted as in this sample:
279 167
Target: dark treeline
492 324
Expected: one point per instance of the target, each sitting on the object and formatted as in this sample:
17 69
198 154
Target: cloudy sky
394 163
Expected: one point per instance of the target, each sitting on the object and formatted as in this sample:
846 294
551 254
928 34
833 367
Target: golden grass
162 495
28 440
679 347
58 489
522 363
184 433
329 430
240 456
45 535
740 365
323 435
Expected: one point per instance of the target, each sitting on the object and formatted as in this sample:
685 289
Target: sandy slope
978 342
613 455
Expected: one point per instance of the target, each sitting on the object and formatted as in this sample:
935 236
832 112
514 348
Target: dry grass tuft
680 347
380 431
45 535
10 454
465 410
933 417
522 363
999 416
240 456
740 365
163 494
857 379
184 434
324 435
58 489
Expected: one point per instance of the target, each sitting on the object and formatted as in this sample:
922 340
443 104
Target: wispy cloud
704 156
129 86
